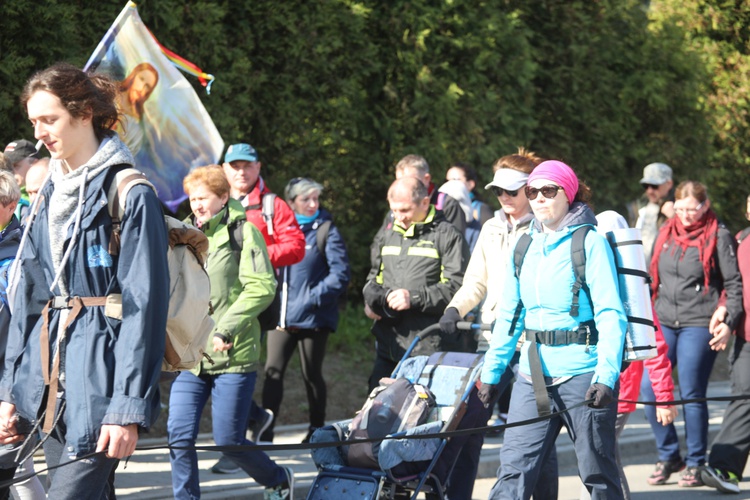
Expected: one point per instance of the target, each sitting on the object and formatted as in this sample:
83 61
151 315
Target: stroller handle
468 325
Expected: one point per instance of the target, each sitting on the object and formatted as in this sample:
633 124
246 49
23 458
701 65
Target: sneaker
225 465
665 469
691 478
257 428
283 491
726 482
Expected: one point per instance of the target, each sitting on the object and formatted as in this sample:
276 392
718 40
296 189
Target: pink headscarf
558 172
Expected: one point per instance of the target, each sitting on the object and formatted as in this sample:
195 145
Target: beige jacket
487 268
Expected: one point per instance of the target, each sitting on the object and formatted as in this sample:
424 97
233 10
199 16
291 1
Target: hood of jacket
65 199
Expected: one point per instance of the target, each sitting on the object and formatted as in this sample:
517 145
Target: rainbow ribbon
183 64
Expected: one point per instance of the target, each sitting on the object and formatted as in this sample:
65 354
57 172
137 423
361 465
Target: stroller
408 465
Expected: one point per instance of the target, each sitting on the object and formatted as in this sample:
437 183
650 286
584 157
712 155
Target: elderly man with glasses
655 206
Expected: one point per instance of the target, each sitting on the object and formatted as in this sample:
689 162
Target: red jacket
287 244
659 372
743 260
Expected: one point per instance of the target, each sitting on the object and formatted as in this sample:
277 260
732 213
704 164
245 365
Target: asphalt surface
147 473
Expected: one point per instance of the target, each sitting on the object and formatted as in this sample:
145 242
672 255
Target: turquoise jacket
545 291
239 291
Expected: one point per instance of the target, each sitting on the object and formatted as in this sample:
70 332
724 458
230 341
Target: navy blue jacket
10 237
313 286
112 366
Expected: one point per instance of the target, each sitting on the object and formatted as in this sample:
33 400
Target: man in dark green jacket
418 263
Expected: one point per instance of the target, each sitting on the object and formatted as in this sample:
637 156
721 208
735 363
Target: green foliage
339 90
719 32
614 95
353 334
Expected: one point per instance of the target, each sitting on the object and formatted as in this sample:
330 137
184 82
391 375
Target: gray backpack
390 408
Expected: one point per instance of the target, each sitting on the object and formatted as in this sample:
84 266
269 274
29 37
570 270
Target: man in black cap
22 154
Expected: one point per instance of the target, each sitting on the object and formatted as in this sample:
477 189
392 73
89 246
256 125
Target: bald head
35 177
408 200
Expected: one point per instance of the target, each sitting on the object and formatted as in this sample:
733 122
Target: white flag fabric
162 121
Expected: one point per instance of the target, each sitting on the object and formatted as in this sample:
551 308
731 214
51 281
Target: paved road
147 475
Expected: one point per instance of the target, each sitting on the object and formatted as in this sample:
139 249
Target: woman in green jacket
242 285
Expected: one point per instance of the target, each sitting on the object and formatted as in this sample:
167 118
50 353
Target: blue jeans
526 448
230 406
690 353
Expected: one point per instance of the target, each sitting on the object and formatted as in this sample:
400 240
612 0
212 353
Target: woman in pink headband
570 354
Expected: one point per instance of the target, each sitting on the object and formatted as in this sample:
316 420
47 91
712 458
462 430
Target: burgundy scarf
701 234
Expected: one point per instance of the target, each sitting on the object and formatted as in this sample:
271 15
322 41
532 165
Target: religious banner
162 120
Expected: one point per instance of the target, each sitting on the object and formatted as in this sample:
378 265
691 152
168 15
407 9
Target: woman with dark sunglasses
483 284
694 263
571 354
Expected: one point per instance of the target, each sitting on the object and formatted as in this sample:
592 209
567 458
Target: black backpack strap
578 258
743 234
321 237
522 246
236 237
519 252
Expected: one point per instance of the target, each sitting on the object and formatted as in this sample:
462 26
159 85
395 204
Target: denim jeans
690 353
525 448
230 406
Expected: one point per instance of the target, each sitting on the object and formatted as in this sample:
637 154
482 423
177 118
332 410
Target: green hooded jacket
239 291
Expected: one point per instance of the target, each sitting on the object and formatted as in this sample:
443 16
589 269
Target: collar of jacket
578 215
416 227
255 194
232 211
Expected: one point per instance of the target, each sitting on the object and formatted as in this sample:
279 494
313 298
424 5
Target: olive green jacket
239 291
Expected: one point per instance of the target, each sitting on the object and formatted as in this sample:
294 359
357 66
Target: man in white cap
652 210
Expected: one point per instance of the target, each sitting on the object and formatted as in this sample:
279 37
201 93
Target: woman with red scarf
693 262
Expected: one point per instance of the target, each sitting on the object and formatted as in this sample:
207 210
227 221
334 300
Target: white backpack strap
117 195
267 209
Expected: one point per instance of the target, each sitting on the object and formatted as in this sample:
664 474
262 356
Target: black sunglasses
548 191
646 187
497 191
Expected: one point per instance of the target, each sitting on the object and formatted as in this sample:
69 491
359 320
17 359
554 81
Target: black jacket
682 299
429 260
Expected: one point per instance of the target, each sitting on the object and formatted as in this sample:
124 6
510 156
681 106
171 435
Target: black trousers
312 349
730 449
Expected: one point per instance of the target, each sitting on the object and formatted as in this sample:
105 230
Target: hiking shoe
663 470
256 430
283 491
691 478
726 482
225 465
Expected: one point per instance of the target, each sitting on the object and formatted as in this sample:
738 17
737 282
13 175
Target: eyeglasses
689 211
549 191
499 192
646 187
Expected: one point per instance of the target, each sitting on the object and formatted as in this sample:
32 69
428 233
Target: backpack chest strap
586 334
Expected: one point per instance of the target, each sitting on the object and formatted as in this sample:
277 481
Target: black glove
601 394
487 394
375 297
448 321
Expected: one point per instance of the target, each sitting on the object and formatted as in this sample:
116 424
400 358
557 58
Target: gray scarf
64 201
